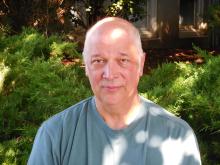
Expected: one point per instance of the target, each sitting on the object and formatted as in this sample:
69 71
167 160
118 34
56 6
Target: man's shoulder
163 116
68 116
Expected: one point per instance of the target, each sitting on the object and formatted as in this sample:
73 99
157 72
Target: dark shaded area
187 11
156 57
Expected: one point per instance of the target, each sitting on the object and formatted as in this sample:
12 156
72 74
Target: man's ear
86 70
143 57
86 67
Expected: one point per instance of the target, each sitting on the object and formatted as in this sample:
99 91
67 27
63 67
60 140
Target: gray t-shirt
79 136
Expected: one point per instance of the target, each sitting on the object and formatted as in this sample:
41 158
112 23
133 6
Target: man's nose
110 71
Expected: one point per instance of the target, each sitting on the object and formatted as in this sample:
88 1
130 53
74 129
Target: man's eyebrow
95 55
99 55
123 54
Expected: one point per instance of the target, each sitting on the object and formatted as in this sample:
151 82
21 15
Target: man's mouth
111 88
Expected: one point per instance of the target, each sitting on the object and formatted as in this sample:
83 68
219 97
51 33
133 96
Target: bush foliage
34 85
192 92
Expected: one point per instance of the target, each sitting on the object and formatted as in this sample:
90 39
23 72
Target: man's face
113 66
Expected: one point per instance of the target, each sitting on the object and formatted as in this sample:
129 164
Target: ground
155 57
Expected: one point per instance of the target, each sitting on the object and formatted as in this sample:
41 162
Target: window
148 24
191 18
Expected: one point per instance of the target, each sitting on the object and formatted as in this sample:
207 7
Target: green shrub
213 15
16 151
37 90
33 45
169 85
191 92
34 85
64 49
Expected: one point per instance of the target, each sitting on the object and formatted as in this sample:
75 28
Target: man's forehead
117 33
110 35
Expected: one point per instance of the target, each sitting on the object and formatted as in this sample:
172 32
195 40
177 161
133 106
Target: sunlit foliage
192 92
34 86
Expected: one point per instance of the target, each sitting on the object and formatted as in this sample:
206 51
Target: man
116 126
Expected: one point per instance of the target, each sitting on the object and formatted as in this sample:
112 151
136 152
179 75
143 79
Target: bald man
116 126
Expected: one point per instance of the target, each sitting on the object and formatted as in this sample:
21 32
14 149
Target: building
166 23
177 24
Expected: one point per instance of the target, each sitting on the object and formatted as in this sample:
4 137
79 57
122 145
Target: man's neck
121 115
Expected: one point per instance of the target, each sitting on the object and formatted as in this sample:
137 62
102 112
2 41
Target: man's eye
97 61
124 60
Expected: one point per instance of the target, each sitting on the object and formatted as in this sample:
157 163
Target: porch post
168 21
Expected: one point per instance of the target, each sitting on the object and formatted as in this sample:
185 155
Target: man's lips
111 88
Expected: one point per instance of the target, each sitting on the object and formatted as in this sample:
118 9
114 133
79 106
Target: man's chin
111 100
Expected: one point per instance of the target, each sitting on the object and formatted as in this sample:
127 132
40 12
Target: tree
61 15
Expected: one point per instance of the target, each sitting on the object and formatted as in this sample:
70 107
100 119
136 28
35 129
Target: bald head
110 29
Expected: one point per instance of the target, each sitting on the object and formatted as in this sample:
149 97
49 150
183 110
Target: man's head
114 59
119 24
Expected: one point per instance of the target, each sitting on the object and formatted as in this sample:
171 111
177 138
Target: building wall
168 31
